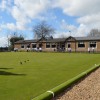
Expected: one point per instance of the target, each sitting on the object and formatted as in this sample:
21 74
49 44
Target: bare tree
43 30
94 33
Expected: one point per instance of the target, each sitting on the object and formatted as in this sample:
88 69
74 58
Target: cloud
3 41
67 27
24 11
31 8
87 14
82 30
3 5
10 26
78 7
78 32
89 22
72 30
89 19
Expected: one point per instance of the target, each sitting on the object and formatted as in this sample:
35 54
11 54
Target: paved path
86 89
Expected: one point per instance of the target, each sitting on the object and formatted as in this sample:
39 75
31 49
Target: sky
67 17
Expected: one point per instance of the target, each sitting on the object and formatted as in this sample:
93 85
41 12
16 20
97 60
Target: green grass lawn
41 73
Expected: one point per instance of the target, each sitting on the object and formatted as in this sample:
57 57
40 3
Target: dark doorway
40 45
69 45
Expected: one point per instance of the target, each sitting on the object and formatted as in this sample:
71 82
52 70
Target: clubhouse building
74 44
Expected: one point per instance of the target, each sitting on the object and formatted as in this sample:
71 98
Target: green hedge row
49 94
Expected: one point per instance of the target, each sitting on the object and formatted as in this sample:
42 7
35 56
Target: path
87 89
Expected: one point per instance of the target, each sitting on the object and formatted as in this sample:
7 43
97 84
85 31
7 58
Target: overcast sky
77 16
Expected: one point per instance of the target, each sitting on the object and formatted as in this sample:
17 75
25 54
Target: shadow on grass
9 73
6 68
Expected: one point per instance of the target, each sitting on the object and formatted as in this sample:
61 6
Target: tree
13 39
94 33
43 30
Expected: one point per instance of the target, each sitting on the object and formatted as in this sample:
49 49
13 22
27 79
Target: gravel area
87 89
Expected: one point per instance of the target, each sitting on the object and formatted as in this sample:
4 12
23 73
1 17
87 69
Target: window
47 45
92 44
53 45
22 46
81 45
28 46
63 45
33 45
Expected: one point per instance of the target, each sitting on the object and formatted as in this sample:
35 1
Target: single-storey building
75 44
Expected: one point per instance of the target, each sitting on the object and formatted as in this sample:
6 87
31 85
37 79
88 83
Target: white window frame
79 43
48 44
53 44
93 42
22 46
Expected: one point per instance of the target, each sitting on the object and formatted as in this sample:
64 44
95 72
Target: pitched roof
60 39
87 38
56 40
27 41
